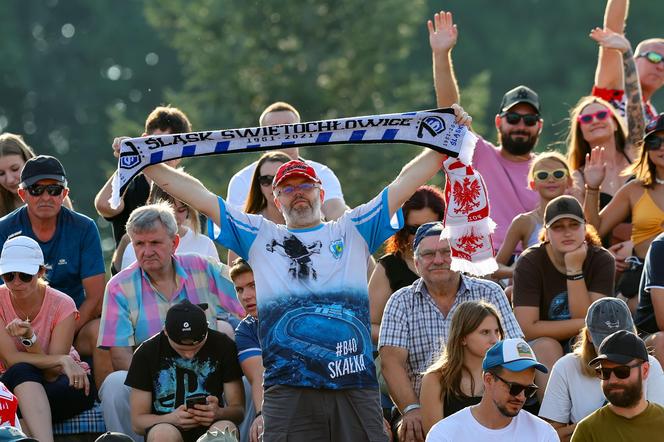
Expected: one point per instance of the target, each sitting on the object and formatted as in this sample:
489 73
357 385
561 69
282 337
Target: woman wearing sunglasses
38 362
454 381
574 389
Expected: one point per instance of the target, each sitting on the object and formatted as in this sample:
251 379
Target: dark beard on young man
625 396
520 146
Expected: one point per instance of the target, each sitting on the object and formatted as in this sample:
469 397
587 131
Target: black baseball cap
520 94
186 323
621 347
42 167
656 125
564 206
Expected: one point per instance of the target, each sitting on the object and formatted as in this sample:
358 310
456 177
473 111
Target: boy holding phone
178 376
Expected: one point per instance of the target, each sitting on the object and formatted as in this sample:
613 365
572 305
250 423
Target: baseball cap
112 436
564 206
214 435
621 347
520 94
429 229
21 254
42 167
606 316
186 323
10 434
512 354
295 168
655 125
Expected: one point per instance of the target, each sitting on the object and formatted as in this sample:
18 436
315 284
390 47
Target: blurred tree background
77 73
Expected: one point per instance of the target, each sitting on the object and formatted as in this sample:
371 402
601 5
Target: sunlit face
551 186
245 287
301 208
599 129
44 206
508 405
483 337
416 218
181 212
566 235
10 172
651 75
154 248
432 261
282 117
269 169
519 138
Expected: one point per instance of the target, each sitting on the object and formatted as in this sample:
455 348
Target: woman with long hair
37 323
396 268
454 381
14 152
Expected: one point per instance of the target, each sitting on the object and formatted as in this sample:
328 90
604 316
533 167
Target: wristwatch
29 342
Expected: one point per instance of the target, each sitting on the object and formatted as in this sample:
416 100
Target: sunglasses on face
265 180
653 142
588 118
51 189
652 56
516 389
303 187
25 277
621 371
543 175
514 118
411 229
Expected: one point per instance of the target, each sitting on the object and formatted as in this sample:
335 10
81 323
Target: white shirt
189 243
238 187
571 395
462 426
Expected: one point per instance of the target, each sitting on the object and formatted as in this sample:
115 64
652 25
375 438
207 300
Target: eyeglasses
653 142
621 371
514 118
411 229
52 189
652 56
302 187
25 277
265 180
543 175
428 255
588 118
516 389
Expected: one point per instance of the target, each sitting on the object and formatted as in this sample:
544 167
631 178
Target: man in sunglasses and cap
623 367
509 372
71 246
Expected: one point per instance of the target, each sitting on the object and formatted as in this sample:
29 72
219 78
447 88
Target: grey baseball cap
607 316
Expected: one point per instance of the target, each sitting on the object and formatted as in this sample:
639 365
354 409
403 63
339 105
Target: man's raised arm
442 38
609 72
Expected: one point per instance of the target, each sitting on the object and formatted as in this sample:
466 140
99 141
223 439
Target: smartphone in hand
195 399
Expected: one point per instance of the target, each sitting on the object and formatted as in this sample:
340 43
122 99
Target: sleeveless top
534 236
452 403
647 219
397 271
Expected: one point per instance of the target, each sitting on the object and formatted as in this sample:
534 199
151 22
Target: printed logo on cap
186 326
524 351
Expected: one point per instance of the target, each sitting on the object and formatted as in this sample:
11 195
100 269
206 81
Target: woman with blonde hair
454 381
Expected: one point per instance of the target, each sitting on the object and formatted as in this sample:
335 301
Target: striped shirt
413 321
134 310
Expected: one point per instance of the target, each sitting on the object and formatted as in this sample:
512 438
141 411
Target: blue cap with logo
512 354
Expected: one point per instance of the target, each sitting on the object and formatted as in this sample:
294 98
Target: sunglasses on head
25 277
52 189
621 371
265 180
411 229
652 56
516 389
652 142
514 118
543 175
588 118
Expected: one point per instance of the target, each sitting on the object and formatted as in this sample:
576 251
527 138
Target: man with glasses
71 246
623 367
417 319
509 372
505 167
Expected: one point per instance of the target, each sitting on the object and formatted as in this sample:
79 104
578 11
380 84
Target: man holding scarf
313 303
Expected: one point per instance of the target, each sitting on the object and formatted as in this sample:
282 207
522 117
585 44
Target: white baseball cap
21 254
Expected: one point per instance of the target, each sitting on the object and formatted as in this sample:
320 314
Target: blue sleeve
374 222
246 339
238 230
92 258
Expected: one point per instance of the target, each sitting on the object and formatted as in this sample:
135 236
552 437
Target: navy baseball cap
42 167
512 354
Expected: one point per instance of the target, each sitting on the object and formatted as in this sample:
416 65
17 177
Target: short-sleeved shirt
246 339
135 310
55 307
537 283
618 100
507 186
604 425
563 401
412 320
171 378
136 195
71 255
240 183
311 293
652 278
